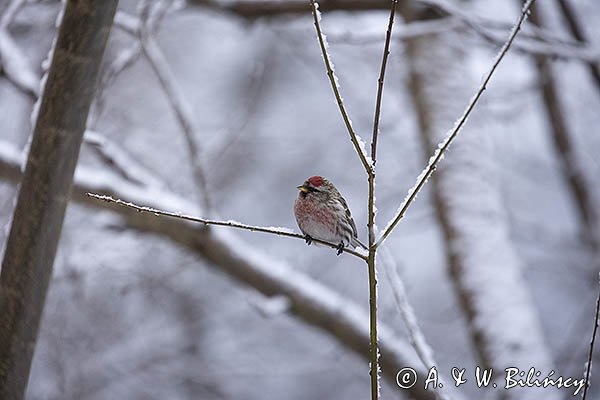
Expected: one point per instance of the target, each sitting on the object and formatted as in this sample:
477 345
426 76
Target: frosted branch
310 300
417 338
359 144
232 224
443 146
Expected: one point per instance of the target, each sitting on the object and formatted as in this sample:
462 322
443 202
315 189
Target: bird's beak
303 189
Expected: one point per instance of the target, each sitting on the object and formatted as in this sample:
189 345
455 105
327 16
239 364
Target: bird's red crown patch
316 181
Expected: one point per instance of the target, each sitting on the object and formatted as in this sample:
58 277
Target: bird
323 214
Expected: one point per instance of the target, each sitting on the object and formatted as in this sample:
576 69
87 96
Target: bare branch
372 259
571 169
540 42
358 143
181 108
588 367
403 32
232 224
577 32
417 338
537 40
120 160
311 301
124 59
443 146
386 52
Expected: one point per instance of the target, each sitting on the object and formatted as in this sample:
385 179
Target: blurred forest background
221 108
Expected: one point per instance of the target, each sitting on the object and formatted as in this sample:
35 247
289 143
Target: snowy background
134 315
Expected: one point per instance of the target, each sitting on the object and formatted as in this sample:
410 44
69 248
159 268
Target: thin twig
578 33
124 59
143 29
403 32
416 336
181 108
312 302
561 136
591 352
587 54
358 145
539 44
386 53
372 260
120 160
443 146
231 224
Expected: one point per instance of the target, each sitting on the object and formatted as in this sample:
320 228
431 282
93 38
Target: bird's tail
357 243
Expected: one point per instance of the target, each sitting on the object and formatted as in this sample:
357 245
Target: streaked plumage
322 213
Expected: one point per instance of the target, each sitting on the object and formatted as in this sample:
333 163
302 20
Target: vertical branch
386 52
588 368
374 345
356 140
371 222
416 337
444 144
561 138
481 260
577 32
46 185
369 168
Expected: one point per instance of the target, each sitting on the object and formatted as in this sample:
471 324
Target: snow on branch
357 141
443 146
311 301
417 338
371 260
279 231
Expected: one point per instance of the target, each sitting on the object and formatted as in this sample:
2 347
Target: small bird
322 213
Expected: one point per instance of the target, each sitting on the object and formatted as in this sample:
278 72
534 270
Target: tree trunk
46 185
482 263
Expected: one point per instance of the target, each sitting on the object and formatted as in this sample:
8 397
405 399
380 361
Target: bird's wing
349 216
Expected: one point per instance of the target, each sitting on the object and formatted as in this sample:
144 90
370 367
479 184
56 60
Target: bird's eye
312 189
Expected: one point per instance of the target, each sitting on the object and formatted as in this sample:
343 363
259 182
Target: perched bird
322 213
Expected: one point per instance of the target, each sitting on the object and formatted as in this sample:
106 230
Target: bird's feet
340 248
308 239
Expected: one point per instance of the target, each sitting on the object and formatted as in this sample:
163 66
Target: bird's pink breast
315 220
